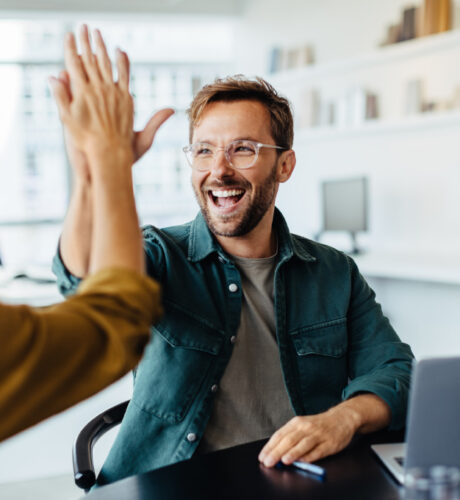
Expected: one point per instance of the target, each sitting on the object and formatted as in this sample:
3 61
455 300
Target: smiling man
265 333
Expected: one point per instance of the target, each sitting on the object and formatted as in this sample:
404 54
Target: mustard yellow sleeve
52 358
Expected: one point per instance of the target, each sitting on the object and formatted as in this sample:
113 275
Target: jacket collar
202 243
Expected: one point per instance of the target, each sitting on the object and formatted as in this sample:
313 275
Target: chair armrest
82 453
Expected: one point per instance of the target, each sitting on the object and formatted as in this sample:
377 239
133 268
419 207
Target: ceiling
205 7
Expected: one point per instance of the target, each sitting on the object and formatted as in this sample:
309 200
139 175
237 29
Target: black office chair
82 453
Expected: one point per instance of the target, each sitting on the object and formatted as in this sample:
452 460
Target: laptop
433 420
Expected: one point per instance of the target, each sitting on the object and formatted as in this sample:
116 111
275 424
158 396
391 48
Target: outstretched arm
56 356
80 227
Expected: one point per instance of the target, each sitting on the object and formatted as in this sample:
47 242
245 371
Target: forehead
226 121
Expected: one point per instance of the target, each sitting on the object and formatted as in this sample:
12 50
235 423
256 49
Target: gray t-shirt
252 401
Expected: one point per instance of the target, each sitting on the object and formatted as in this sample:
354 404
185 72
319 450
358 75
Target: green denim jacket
333 339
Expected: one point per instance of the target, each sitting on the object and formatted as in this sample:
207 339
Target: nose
220 165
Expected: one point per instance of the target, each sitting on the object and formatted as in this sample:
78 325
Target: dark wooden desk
354 474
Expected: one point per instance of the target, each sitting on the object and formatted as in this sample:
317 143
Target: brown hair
238 88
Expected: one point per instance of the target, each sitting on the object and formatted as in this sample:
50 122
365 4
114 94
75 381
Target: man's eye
203 151
244 149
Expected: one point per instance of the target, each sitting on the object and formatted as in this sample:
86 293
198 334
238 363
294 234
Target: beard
261 202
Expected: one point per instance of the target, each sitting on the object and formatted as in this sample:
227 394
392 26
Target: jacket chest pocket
322 362
175 365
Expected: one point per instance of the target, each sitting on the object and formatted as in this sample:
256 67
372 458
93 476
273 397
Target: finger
103 60
144 139
270 445
123 69
306 445
315 453
282 447
60 96
89 59
275 440
73 62
64 78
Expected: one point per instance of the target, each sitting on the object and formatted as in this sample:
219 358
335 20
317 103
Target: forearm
116 240
364 412
56 356
75 243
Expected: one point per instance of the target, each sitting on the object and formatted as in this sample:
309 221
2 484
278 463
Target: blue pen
311 468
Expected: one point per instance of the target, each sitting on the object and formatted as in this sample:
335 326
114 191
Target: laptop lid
433 424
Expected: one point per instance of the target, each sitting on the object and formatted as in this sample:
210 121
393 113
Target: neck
257 244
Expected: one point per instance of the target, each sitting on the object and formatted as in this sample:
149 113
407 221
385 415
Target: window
170 60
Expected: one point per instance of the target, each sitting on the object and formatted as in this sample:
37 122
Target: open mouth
225 199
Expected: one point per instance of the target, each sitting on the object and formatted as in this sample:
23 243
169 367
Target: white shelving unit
385 71
411 161
425 121
425 46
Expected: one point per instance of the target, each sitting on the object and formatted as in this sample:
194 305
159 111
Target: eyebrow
246 138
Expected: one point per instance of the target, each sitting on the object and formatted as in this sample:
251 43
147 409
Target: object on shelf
275 60
435 16
372 106
416 102
359 105
309 109
456 98
438 16
356 106
290 58
414 97
393 34
409 29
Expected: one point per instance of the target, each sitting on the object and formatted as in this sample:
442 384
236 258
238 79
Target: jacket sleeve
67 283
52 358
154 261
378 361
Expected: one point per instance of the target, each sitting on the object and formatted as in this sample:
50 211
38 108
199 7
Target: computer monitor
345 206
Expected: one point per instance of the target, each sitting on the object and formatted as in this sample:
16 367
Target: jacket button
214 388
233 287
191 437
233 339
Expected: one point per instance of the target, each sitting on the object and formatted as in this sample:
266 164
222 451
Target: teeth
225 194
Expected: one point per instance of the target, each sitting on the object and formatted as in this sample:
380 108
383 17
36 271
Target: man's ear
286 164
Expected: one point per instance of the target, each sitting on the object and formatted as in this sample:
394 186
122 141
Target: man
54 357
264 333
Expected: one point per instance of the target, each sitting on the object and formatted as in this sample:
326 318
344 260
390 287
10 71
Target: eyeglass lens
240 154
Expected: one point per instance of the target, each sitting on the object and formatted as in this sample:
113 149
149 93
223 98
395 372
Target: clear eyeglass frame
191 151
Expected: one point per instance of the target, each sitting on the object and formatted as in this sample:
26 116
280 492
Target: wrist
110 154
81 185
348 414
109 163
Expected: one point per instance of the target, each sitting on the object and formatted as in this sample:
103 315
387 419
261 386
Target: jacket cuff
67 282
394 391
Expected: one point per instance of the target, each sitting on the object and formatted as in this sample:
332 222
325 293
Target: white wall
414 173
336 28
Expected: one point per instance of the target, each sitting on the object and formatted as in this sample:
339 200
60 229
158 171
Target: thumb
61 96
144 138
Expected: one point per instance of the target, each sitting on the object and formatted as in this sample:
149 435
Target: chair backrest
82 453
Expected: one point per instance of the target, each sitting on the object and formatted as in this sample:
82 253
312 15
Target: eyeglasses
240 154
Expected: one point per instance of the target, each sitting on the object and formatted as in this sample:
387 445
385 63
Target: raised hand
86 87
98 114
